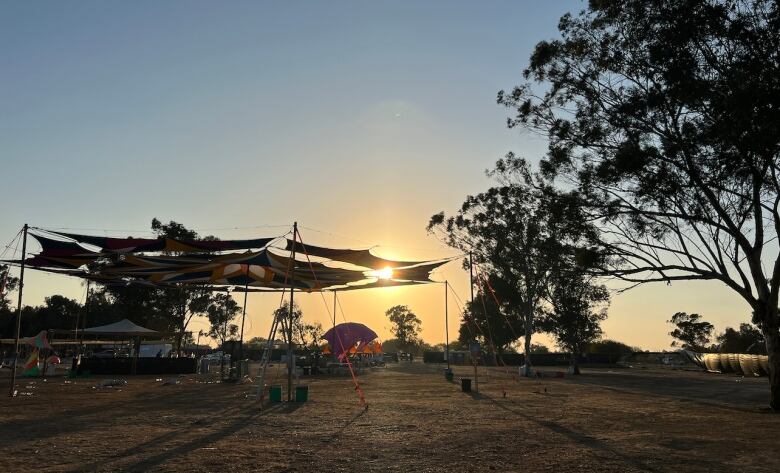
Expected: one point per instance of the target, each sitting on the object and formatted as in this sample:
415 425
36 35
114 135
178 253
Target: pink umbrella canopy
342 337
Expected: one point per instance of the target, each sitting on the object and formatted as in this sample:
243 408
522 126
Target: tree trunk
183 327
772 337
527 369
575 365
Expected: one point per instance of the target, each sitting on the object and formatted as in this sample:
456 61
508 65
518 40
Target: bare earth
605 420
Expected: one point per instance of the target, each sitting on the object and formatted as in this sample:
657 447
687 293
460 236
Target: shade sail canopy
221 264
139 245
362 258
123 327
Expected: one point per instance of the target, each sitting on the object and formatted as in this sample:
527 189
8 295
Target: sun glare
386 273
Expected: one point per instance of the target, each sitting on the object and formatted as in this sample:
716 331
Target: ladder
266 359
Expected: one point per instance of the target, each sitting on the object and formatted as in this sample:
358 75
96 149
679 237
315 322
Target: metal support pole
471 285
446 323
290 362
243 317
12 392
84 319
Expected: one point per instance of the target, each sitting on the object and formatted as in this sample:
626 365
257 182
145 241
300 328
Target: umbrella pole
12 392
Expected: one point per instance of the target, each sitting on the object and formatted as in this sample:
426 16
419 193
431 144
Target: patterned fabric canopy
166 262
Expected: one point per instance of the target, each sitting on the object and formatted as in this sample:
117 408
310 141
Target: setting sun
386 273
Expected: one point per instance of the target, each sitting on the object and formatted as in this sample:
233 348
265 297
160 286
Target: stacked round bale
748 365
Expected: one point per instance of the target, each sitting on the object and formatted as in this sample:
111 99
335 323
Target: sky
359 120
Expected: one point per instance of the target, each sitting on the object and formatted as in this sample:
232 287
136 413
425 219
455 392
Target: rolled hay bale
734 362
712 362
749 365
763 361
725 365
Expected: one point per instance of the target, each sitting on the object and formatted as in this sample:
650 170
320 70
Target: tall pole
243 317
471 285
18 314
84 319
446 323
290 362
334 309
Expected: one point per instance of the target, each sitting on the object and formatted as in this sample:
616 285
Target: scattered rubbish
158 379
171 381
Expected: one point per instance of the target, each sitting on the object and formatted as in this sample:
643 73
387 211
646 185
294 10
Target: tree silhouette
517 234
664 117
691 332
406 326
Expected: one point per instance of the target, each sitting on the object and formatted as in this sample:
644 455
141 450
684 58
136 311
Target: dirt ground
605 420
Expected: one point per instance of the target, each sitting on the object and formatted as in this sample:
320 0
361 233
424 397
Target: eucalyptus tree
664 116
516 233
577 304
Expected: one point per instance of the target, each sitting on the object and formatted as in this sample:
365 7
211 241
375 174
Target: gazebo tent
123 327
125 330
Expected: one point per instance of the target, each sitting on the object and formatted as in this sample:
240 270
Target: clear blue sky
358 118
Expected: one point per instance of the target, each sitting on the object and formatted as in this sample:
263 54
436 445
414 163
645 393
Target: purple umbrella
342 337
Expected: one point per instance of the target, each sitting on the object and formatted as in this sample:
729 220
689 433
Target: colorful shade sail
140 245
362 258
167 262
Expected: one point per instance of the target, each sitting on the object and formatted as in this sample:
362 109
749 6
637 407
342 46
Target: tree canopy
663 117
517 234
691 331
406 326
576 307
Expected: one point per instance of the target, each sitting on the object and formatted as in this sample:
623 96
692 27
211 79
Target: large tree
221 311
484 321
748 339
691 331
185 301
8 284
406 326
665 117
516 233
576 307
304 335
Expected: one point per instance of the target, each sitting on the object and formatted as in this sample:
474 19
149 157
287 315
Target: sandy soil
605 420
